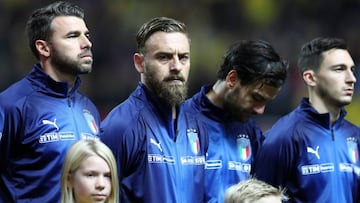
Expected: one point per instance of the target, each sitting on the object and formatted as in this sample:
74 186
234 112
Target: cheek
241 100
108 185
236 101
332 81
81 187
153 70
186 71
247 103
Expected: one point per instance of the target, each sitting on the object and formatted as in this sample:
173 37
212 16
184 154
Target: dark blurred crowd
212 24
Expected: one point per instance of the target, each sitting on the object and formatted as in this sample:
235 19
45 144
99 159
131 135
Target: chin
243 119
344 102
85 70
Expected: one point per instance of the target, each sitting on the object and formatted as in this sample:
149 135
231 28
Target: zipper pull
69 101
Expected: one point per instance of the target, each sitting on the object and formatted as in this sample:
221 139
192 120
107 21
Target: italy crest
91 122
194 140
244 148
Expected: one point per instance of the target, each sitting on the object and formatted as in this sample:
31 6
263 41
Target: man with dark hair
44 113
251 75
159 149
313 151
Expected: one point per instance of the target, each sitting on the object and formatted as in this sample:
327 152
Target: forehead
269 199
93 162
268 92
168 42
334 57
65 24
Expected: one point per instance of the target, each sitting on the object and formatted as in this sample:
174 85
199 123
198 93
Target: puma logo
152 141
53 123
316 152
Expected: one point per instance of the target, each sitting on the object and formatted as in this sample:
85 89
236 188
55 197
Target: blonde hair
251 190
74 157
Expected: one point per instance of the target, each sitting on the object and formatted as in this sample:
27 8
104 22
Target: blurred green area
213 25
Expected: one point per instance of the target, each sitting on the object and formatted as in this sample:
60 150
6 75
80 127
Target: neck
174 113
216 94
323 107
58 76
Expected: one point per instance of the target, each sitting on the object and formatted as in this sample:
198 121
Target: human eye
352 69
163 57
73 34
107 175
87 35
258 98
339 68
89 174
184 57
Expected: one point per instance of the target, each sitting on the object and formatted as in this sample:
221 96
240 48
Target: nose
85 42
100 183
175 64
259 109
351 77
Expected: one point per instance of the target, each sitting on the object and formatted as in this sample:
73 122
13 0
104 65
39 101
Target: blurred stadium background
213 25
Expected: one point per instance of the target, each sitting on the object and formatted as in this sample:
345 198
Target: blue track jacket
315 161
232 145
157 161
41 121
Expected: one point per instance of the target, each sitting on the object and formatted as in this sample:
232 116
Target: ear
309 77
232 79
43 48
139 62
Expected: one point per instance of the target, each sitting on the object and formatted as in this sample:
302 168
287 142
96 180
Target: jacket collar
45 84
160 106
322 119
208 108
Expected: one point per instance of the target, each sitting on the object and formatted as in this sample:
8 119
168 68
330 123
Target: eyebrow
259 96
264 97
77 32
173 52
343 65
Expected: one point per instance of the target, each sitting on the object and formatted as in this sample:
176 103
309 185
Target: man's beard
172 94
234 111
67 65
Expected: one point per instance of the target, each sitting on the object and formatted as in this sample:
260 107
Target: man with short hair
313 151
250 76
44 113
160 149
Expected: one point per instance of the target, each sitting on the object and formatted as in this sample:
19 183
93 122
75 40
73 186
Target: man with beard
159 149
313 151
251 75
44 114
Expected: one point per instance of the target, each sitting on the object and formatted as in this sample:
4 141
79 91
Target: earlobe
309 77
139 62
232 78
43 48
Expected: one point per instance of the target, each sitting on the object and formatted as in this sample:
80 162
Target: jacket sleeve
125 135
9 129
